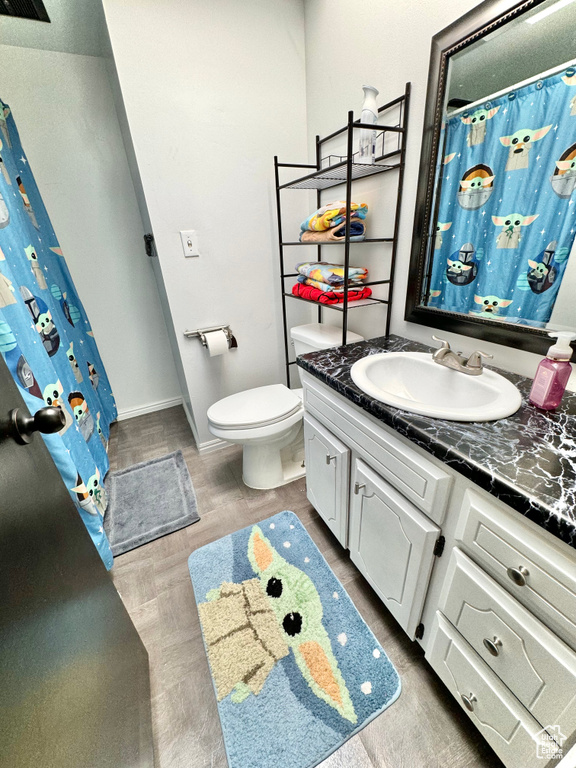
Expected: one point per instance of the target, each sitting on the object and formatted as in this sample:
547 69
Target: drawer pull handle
330 458
358 486
493 646
468 701
518 575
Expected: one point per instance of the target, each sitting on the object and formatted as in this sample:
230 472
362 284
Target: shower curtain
46 340
506 216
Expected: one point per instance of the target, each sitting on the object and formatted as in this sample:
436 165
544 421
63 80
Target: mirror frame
477 23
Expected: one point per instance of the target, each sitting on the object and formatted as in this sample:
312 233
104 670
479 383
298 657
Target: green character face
298 610
79 412
44 323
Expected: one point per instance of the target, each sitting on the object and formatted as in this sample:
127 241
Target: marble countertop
527 460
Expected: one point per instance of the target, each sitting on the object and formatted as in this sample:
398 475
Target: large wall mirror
493 252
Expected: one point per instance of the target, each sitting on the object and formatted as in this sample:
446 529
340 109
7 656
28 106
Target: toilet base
263 469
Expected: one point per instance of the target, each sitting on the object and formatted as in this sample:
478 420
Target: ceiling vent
24 9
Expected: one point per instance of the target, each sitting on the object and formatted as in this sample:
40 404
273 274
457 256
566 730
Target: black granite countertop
527 460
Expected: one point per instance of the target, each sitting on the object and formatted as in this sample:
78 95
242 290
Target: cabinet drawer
392 544
327 477
510 730
537 667
540 574
419 480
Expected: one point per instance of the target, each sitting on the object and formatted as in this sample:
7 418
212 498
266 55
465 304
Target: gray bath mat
149 500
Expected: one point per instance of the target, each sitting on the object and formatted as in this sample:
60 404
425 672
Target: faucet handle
445 344
475 359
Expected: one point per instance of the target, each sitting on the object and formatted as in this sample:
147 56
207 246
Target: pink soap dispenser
553 373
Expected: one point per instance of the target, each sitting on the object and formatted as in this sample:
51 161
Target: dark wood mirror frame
477 23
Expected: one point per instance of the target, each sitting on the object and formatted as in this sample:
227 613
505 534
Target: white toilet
267 421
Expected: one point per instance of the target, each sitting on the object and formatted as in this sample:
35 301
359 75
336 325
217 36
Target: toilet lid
255 407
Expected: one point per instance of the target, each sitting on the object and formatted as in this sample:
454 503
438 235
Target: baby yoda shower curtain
506 217
45 337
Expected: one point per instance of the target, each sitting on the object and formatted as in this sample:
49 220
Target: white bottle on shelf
367 142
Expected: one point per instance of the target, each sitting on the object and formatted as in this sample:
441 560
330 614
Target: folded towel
333 274
333 214
326 286
329 297
357 233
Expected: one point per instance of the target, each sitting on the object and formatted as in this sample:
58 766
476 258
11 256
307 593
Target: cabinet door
392 544
327 477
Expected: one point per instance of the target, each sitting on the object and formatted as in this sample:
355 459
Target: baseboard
131 413
212 445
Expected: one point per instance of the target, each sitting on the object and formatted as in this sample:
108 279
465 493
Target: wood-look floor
425 728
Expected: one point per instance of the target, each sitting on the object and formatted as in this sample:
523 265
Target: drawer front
510 729
391 543
426 485
538 573
537 667
327 477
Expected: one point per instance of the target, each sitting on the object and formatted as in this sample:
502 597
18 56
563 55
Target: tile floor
425 728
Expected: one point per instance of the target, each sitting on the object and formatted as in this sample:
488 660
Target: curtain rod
510 88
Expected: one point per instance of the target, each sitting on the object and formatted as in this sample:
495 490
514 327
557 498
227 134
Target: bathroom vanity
467 533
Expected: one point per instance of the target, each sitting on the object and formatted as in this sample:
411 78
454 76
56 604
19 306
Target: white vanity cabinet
392 544
490 596
381 499
328 476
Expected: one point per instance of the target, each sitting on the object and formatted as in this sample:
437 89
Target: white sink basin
413 382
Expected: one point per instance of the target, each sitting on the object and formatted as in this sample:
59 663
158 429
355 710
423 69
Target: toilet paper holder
201 332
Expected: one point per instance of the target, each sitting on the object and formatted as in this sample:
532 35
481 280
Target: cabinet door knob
518 575
358 486
469 701
493 646
330 458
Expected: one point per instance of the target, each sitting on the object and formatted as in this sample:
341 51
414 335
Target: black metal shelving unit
335 170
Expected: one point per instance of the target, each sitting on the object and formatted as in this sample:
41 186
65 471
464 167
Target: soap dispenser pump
553 373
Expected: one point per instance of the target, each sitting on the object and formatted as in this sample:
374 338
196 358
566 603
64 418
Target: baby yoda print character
463 269
477 122
563 180
42 318
36 268
74 363
542 274
510 235
26 203
439 229
520 144
101 434
491 305
249 627
53 396
476 187
90 496
83 417
93 375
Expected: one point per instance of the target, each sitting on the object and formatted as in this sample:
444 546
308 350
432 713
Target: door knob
21 427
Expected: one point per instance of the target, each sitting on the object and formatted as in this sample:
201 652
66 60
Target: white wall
385 44
212 92
64 110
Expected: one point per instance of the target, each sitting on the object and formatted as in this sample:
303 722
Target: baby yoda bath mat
295 669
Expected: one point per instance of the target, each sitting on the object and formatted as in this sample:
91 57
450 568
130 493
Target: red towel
329 297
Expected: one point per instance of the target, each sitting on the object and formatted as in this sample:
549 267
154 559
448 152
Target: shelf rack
335 170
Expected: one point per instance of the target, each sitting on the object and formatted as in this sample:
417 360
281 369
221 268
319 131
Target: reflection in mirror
503 213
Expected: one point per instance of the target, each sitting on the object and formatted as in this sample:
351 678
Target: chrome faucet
450 359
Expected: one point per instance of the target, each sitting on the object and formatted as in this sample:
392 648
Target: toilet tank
316 336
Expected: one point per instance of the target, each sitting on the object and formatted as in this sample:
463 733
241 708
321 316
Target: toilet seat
255 408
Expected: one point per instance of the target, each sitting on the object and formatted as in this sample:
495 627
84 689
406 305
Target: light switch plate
189 239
